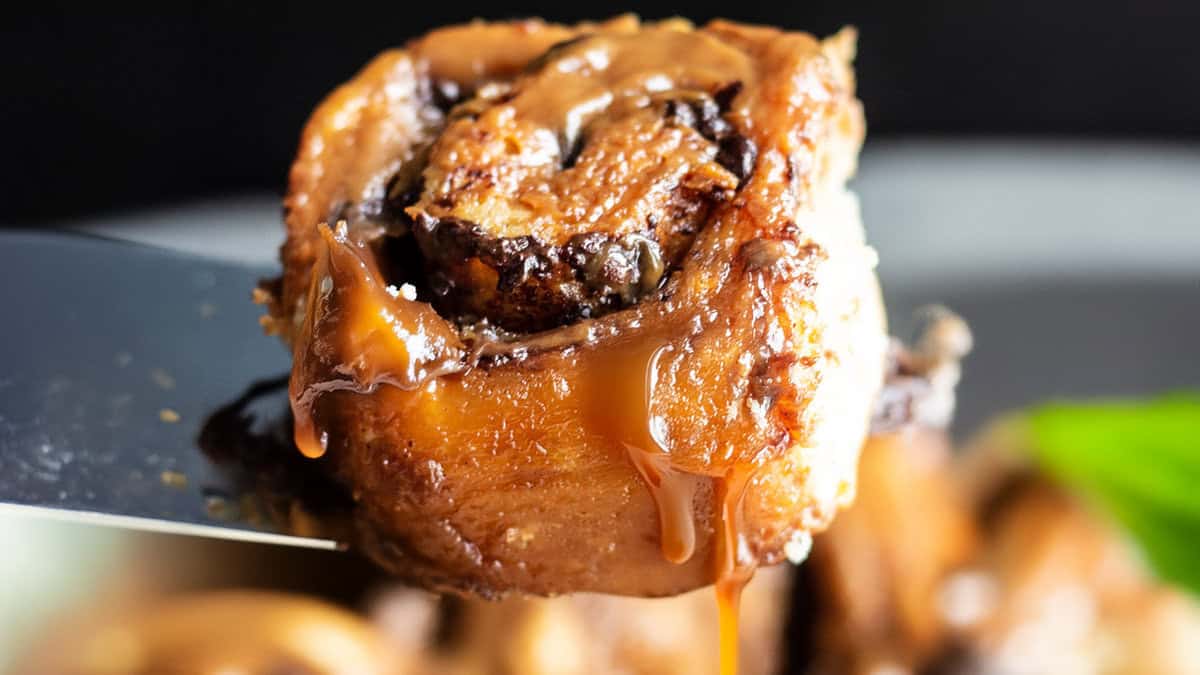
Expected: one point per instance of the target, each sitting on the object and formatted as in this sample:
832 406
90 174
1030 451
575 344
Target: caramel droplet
673 493
623 388
310 442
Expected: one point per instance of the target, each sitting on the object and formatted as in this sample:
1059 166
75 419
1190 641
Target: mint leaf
1139 461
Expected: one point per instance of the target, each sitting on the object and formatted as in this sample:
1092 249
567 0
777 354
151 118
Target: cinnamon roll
584 308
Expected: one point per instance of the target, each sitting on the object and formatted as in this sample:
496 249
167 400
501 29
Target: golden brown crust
498 464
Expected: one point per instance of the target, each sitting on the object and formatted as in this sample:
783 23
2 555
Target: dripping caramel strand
734 567
623 394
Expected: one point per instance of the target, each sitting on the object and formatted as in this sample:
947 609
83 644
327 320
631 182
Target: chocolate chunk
572 149
710 123
651 266
583 246
612 269
402 192
446 94
738 154
627 268
725 95
531 262
537 285
680 113
701 113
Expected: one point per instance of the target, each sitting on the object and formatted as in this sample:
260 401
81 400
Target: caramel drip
625 385
673 493
360 333
735 565
623 405
311 442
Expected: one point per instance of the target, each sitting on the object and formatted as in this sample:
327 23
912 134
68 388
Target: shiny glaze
546 462
397 342
503 166
359 334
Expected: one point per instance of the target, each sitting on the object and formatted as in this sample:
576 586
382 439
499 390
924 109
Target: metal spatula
116 361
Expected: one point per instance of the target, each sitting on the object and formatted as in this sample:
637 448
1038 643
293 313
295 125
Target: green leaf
1139 461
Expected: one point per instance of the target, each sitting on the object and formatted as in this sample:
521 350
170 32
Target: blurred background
1035 165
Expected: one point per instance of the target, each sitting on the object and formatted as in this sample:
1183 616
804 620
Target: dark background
108 109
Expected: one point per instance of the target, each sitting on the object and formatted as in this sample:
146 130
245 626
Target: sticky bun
584 308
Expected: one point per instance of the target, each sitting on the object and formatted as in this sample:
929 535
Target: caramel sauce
622 392
604 70
627 385
734 564
673 493
494 51
359 333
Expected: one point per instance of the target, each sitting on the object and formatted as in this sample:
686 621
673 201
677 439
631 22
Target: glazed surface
584 308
